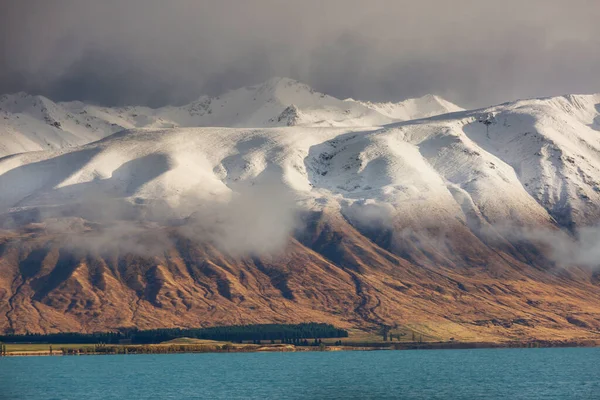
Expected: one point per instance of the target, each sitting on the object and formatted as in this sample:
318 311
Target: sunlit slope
411 224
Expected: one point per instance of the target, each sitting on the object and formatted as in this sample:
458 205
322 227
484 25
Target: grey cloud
146 51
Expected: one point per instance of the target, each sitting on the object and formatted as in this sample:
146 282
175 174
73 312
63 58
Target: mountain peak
16 101
274 84
281 81
285 88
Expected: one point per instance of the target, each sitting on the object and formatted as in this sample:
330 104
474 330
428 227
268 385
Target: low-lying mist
260 219
253 220
560 247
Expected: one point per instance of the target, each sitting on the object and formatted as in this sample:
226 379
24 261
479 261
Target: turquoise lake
565 373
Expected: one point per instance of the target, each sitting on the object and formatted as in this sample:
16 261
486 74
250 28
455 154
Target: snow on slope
529 162
32 123
422 107
548 148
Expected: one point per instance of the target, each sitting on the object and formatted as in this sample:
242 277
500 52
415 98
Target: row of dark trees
236 333
240 333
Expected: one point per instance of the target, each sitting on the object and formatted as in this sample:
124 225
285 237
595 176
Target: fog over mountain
474 53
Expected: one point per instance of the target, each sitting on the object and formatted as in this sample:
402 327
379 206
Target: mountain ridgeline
279 204
32 123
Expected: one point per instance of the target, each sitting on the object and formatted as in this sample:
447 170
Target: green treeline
236 333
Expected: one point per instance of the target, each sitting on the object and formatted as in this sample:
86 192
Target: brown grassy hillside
331 272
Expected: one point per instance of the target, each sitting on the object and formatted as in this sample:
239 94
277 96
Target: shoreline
274 348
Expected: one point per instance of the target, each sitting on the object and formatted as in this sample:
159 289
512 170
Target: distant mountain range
32 123
276 203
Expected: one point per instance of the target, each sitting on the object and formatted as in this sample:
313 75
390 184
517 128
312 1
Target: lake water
506 374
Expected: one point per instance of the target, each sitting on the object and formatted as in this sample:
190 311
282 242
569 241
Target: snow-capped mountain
33 123
303 207
532 160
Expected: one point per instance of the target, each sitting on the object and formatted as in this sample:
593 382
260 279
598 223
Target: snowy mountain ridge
479 225
532 161
422 107
32 123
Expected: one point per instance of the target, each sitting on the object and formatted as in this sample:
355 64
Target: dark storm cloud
474 52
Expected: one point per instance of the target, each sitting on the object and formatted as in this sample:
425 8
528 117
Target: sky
154 52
